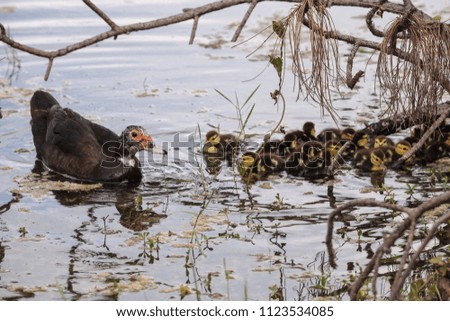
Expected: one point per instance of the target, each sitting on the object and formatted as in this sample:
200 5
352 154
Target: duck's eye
134 134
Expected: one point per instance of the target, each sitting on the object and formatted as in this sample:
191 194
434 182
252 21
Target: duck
294 163
327 134
315 160
75 147
347 134
436 149
256 166
370 160
393 153
296 138
361 139
220 145
382 141
309 130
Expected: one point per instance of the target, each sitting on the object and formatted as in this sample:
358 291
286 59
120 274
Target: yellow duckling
370 160
220 145
382 141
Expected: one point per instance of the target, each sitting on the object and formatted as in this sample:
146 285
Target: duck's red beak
146 141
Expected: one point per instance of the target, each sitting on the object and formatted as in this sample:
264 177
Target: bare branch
413 216
353 80
244 20
117 30
369 20
194 29
101 14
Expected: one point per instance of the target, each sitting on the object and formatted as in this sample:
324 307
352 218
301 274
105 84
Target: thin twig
244 20
101 14
353 80
194 29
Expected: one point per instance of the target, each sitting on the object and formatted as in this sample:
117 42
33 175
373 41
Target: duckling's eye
134 134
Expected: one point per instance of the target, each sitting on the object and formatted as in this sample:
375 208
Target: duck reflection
127 199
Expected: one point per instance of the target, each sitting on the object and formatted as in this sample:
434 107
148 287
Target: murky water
184 232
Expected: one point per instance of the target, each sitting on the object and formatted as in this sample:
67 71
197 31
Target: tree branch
413 216
194 14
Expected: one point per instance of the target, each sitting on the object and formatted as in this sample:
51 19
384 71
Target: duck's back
71 145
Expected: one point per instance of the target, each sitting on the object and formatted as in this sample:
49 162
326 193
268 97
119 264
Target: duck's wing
71 147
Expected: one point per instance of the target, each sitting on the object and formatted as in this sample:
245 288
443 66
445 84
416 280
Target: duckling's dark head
348 133
135 139
309 128
213 137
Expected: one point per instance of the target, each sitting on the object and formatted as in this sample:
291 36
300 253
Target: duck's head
213 137
333 146
348 133
402 147
309 128
312 152
361 139
249 159
135 139
382 141
377 158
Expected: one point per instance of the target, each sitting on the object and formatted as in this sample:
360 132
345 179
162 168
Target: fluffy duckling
256 166
393 153
382 141
436 150
361 139
333 146
315 160
309 130
294 162
347 134
216 144
296 138
370 160
327 134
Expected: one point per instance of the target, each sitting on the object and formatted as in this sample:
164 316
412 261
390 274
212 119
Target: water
183 233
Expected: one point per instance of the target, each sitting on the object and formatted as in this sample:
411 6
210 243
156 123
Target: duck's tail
40 104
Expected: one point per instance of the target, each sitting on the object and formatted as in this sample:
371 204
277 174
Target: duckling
270 147
361 139
220 144
255 166
309 129
332 146
436 150
347 134
393 153
382 141
294 162
289 143
329 134
270 164
215 151
370 160
315 160
296 138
